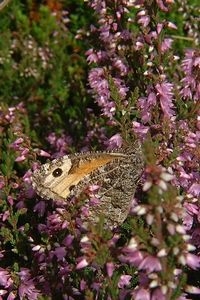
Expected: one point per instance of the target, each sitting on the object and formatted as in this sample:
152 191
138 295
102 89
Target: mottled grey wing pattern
117 176
118 181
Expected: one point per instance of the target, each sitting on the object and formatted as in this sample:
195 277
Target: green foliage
43 64
185 15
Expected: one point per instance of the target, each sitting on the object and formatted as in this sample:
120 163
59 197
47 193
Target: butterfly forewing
117 173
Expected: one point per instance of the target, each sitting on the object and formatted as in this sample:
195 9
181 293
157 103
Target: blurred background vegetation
43 64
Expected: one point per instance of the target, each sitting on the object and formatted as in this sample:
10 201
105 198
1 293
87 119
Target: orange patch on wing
85 167
88 166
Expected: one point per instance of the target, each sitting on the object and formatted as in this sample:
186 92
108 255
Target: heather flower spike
78 80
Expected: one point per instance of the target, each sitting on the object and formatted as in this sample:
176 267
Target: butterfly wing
117 173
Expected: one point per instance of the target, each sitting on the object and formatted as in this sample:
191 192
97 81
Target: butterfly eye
57 172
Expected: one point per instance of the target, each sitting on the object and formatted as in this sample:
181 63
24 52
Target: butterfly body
116 172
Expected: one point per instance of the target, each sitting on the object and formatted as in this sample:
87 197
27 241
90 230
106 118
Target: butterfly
117 173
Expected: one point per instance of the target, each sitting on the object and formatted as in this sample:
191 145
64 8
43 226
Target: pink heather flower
143 279
100 88
158 295
36 248
159 27
99 6
40 207
5 278
143 18
82 264
102 55
120 66
3 293
164 94
27 287
171 25
17 142
196 236
114 142
67 242
10 200
192 289
60 144
146 104
141 294
131 256
20 158
35 166
5 215
190 83
192 139
105 33
187 162
15 185
183 178
195 189
29 192
24 151
112 242
188 221
164 5
110 267
150 37
1 255
44 153
121 87
96 286
166 44
95 201
140 130
193 261
187 177
150 264
28 291
83 285
111 36
198 122
85 209
20 204
191 208
91 56
93 188
20 145
124 281
54 222
126 35
139 44
60 253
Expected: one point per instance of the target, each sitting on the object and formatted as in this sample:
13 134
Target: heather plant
144 70
31 48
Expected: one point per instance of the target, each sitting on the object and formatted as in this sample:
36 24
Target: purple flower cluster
142 90
109 56
158 95
190 85
158 106
59 144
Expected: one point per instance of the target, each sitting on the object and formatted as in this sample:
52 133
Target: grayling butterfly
116 172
